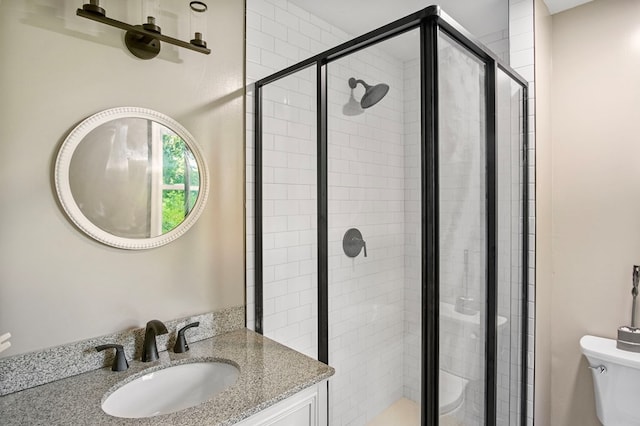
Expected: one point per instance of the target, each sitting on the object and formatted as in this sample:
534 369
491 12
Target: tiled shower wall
280 34
510 280
289 209
413 243
521 52
366 190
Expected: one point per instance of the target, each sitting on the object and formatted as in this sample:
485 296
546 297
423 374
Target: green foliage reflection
179 167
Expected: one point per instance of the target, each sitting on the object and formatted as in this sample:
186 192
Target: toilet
451 393
459 363
616 381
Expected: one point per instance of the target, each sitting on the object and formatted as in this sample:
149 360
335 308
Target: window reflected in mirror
180 181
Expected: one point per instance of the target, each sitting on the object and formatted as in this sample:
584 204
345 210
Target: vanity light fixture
144 40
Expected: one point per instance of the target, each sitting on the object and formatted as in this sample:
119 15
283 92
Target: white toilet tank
617 385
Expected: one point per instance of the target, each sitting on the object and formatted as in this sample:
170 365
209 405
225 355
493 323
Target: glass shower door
482 234
510 211
289 243
462 232
374 199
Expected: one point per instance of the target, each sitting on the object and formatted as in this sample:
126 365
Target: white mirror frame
63 187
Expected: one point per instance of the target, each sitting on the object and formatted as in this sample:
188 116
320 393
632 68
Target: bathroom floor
407 413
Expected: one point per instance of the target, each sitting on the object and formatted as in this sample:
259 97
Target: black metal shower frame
430 21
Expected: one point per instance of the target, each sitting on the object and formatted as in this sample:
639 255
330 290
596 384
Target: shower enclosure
391 224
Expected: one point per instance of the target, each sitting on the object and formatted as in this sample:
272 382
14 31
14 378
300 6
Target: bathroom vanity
275 386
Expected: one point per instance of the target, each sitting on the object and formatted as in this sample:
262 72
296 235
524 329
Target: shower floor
406 413
402 412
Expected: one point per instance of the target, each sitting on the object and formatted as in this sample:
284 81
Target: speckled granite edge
24 371
269 373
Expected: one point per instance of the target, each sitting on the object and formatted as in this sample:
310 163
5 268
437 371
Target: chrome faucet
149 348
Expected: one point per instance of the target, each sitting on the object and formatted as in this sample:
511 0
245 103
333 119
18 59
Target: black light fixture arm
141 40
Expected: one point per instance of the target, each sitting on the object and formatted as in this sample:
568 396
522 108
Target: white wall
544 277
595 186
56 284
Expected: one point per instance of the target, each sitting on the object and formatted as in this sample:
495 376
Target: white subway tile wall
510 174
290 205
366 191
413 231
521 36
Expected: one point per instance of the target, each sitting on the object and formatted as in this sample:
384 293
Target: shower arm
353 83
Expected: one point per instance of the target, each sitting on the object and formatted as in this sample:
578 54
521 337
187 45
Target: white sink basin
169 390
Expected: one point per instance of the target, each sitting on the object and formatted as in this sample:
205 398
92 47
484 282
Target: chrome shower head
372 94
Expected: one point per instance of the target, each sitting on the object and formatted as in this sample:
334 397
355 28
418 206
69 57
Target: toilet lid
451 392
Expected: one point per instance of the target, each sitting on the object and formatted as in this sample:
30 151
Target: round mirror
131 178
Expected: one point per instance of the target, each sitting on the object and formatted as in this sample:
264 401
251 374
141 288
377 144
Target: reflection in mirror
133 177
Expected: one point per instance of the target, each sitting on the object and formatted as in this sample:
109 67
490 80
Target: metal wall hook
353 243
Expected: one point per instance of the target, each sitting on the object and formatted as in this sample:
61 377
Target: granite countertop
269 373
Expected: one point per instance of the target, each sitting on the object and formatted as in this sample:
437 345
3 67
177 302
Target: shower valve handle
353 243
362 243
364 246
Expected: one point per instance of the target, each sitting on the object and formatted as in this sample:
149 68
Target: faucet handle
120 362
181 341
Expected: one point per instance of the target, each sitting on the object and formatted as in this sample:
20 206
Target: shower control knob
353 243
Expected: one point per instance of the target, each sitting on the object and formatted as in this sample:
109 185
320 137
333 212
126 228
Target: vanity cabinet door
306 408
